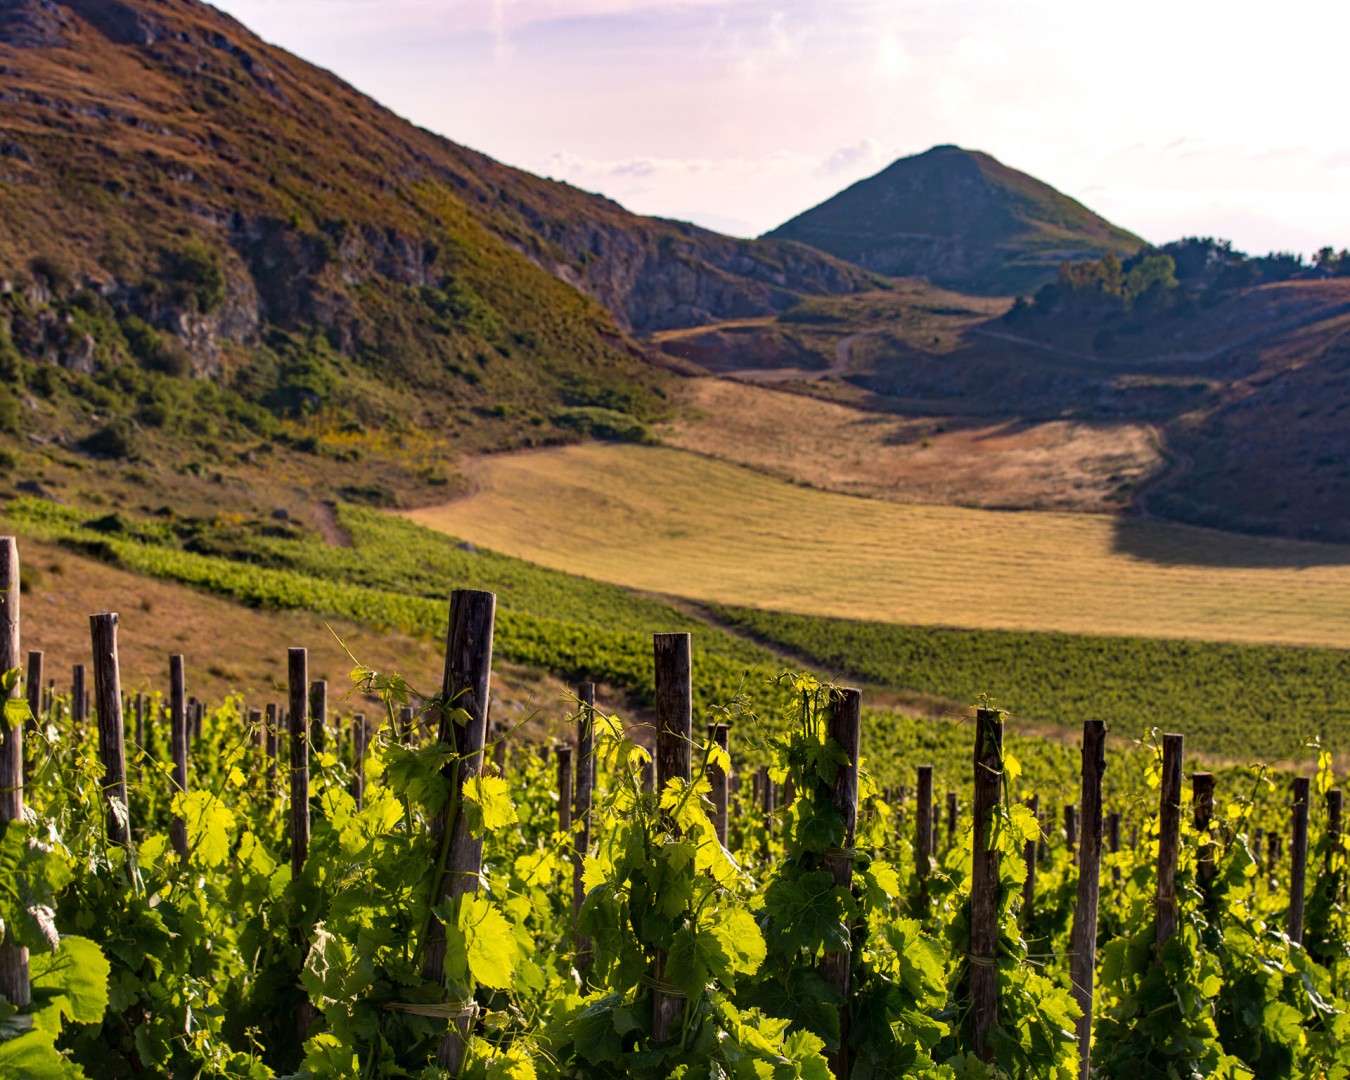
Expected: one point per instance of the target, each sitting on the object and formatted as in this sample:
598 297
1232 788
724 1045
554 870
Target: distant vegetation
1173 281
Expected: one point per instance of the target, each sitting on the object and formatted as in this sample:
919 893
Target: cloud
862 155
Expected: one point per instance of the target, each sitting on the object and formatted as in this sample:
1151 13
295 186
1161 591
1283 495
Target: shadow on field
1167 544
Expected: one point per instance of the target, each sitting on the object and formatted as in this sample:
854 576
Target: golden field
673 522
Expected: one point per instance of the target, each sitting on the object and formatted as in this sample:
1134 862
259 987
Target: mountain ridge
961 218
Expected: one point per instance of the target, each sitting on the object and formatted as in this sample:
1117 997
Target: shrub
117 440
11 411
608 424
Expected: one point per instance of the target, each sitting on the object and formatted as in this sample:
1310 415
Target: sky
1169 117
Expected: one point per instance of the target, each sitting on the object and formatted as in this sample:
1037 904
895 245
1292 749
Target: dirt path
326 521
843 362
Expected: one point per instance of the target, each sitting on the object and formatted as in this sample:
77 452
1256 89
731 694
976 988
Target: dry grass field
1054 465
673 522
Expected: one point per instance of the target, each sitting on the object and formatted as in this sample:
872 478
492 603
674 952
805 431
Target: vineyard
289 888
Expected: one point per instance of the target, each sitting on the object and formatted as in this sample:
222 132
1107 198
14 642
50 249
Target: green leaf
17 713
487 804
513 1063
325 1057
741 941
34 1057
489 942
78 974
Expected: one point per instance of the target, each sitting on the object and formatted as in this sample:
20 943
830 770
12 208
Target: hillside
961 219
178 198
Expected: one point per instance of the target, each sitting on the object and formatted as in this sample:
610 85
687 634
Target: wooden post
1113 840
1298 858
271 728
297 669
14 981
1169 838
1274 846
466 686
318 715
1083 939
139 701
937 825
111 733
719 736
1071 831
845 730
197 713
1029 857
984 880
499 747
1202 807
33 683
581 813
564 756
79 699
951 818
923 834
359 737
178 748
674 733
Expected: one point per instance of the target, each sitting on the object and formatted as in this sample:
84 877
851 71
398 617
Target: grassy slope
672 522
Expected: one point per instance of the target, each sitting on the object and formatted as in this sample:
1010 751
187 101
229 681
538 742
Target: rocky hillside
961 219
180 197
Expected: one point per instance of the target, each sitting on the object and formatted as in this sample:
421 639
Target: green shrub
11 412
609 424
117 440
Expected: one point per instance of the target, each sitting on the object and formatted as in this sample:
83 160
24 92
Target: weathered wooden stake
178 748
1071 831
1202 809
1274 846
924 834
140 736
1169 838
14 981
466 686
1083 939
1298 858
79 699
271 726
1029 857
111 733
318 715
359 737
581 813
297 668
33 683
951 818
845 730
1335 805
719 735
674 734
564 756
984 879
1113 841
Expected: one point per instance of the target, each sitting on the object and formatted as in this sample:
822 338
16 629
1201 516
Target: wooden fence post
111 733
271 726
14 981
581 814
359 737
719 735
1274 846
1202 808
1113 841
1298 858
467 686
1169 838
923 834
318 715
951 818
1083 939
1071 831
1029 857
178 739
1335 804
845 730
79 699
564 756
984 879
33 683
297 669
674 733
